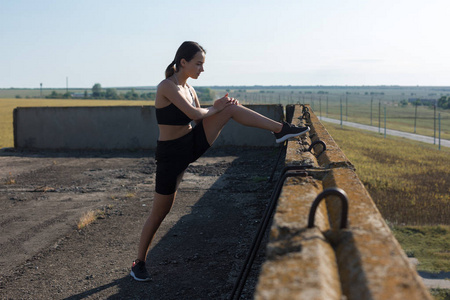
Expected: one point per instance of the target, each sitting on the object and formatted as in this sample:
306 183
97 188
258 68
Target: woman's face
194 67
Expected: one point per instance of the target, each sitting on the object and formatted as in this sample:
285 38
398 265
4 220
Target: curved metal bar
305 109
242 278
330 191
306 115
324 146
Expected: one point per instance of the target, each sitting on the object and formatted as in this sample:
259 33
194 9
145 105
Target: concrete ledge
301 263
116 128
333 156
308 273
364 258
372 265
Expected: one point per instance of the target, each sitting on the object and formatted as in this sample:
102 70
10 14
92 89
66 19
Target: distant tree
444 102
111 94
404 103
205 94
85 94
148 96
96 90
54 95
131 95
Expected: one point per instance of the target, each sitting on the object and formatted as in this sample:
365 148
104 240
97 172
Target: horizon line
238 86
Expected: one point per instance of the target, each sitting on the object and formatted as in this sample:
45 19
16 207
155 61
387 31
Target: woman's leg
247 117
161 207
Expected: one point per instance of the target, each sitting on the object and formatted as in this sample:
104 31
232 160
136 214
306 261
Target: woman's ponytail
186 51
170 70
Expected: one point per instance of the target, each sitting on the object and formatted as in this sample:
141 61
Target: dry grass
88 218
130 195
92 215
10 180
409 181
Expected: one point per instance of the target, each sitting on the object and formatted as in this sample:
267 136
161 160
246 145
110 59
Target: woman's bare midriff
171 132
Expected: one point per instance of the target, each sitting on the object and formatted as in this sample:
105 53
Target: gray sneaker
139 271
289 131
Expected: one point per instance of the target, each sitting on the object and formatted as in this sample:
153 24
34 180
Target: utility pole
320 107
41 91
379 115
439 123
415 116
371 102
435 121
346 108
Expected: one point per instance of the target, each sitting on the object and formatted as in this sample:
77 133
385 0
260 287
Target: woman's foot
139 271
289 131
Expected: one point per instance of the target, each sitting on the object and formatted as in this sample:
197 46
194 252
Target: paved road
407 135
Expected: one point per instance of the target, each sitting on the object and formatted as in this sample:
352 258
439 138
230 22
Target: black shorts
174 156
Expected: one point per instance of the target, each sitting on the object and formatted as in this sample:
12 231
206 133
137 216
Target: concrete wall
116 127
363 261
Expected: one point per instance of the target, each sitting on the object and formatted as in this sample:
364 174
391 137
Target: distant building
80 95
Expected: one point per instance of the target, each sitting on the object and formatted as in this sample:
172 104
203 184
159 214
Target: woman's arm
172 93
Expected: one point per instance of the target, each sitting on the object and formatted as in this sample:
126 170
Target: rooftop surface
197 253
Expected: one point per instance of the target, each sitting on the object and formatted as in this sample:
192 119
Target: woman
179 143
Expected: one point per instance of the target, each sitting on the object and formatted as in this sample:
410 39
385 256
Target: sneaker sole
139 279
288 136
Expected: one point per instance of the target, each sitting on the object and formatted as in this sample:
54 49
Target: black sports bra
172 115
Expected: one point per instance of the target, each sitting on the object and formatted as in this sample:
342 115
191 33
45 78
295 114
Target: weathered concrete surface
94 128
301 263
308 273
368 260
197 252
116 128
372 265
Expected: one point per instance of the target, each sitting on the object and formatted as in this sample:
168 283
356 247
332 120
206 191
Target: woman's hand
223 102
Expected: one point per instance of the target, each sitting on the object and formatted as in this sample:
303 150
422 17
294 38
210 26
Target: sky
247 42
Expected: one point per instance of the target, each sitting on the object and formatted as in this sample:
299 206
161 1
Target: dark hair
187 50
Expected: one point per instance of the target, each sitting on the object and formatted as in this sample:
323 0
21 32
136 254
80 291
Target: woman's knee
230 110
219 119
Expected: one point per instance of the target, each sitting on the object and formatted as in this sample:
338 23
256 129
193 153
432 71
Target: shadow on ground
198 253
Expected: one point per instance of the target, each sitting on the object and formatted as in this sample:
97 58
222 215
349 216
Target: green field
7 106
363 105
398 118
410 184
360 104
409 181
